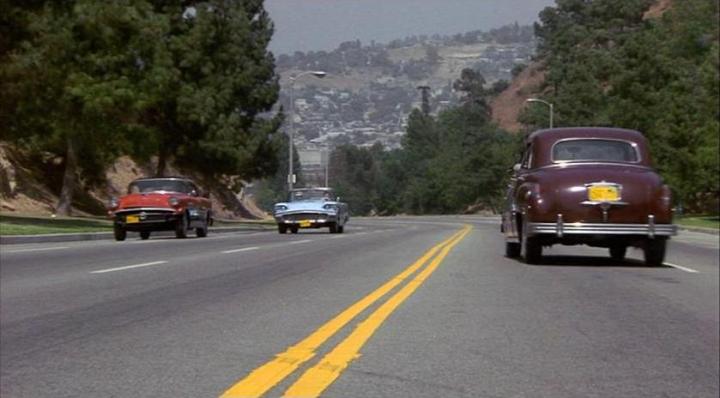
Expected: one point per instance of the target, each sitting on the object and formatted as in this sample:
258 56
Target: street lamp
319 74
550 105
327 165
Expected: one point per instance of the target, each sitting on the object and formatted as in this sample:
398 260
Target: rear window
594 150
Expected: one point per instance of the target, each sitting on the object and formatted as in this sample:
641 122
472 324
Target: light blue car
311 208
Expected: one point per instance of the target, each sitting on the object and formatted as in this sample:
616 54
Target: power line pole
425 90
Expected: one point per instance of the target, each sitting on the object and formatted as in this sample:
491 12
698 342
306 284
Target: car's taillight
665 197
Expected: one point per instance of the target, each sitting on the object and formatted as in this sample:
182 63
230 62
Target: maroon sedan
592 186
161 204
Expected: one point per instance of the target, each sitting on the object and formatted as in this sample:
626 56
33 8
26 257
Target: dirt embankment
658 9
507 106
28 186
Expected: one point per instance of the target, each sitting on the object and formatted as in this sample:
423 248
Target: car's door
515 190
199 204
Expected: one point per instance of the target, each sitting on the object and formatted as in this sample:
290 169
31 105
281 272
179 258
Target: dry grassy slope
453 60
24 191
658 9
20 191
507 106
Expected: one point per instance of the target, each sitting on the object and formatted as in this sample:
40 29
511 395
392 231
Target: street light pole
550 105
327 166
291 175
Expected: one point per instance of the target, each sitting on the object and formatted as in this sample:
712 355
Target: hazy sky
323 24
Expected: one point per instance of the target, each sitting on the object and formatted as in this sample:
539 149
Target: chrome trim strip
560 226
649 230
594 163
651 226
596 203
312 222
309 212
162 209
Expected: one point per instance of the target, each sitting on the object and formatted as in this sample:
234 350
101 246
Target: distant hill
371 88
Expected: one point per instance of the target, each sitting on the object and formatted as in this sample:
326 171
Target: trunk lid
565 188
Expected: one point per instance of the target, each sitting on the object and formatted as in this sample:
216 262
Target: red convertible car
161 204
592 186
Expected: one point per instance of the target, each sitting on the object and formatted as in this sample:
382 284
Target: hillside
370 90
28 187
365 99
507 105
638 64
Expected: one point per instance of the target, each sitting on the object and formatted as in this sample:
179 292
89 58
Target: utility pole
327 166
291 174
425 90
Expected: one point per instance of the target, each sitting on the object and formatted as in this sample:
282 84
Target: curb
710 231
89 236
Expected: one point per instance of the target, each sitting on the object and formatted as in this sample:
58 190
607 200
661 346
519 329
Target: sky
304 25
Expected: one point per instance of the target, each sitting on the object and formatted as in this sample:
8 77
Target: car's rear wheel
181 227
618 252
144 235
202 231
119 232
333 228
530 247
282 228
655 252
340 229
512 249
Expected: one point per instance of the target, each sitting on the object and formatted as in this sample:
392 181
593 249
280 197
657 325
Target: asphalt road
401 307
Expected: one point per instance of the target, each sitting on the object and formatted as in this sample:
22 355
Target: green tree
215 78
668 88
74 81
274 189
607 65
354 172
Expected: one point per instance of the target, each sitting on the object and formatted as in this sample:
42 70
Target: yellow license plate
603 193
305 223
132 219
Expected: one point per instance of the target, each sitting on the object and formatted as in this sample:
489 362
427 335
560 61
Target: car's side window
194 188
527 157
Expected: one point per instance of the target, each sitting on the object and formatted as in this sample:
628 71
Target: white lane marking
244 249
102 271
169 238
338 237
297 242
236 234
680 267
42 249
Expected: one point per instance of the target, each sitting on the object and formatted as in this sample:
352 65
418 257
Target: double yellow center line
316 379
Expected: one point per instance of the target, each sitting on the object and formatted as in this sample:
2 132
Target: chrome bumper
561 229
145 209
299 217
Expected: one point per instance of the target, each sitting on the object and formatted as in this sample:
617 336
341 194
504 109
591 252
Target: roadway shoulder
49 238
712 231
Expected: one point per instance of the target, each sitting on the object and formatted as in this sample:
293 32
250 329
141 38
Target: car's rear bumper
561 229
